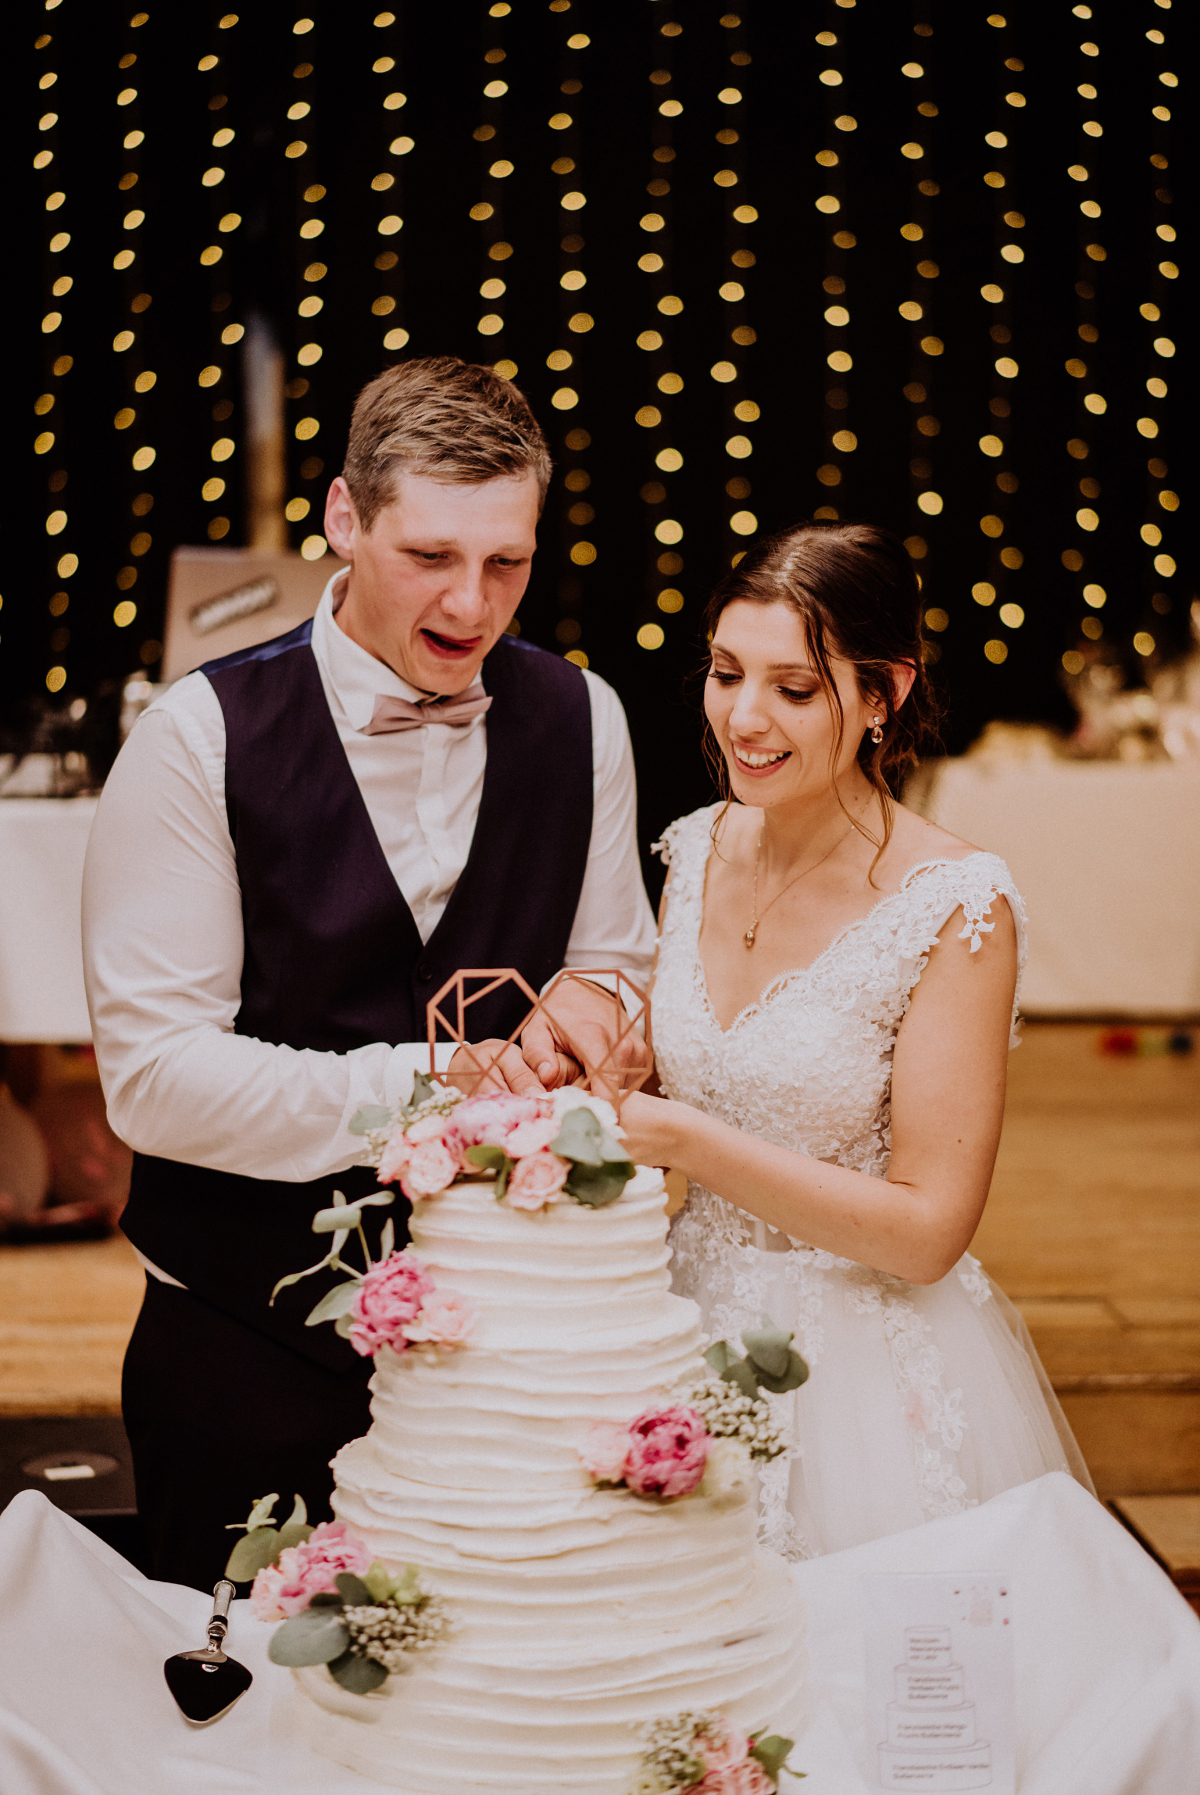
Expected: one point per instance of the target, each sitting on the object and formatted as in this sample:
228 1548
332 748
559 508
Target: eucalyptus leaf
314 1636
343 1324
721 1356
353 1590
326 1598
488 1159
253 1553
794 1374
294 1534
502 1178
580 1137
595 1186
767 1354
259 1516
359 1675
335 1302
372 1118
741 1373
378 1580
771 1753
387 1240
423 1088
332 1221
406 1589
299 1514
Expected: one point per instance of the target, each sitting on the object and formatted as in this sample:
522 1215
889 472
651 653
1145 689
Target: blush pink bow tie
392 715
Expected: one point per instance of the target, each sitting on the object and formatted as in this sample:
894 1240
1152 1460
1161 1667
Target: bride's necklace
752 931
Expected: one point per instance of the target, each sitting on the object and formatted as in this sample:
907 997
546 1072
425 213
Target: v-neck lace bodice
808 1064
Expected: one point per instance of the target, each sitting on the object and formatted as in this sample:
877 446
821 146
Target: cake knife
206 1683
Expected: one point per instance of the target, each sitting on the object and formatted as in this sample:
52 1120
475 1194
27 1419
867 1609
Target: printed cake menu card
940 1682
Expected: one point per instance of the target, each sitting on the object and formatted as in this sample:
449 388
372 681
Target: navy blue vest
333 958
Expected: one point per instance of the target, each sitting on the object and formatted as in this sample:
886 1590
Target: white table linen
1107 857
42 845
1107 1663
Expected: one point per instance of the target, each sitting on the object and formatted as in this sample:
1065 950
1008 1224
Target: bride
834 1002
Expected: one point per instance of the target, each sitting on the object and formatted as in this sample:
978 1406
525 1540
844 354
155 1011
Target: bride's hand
651 1127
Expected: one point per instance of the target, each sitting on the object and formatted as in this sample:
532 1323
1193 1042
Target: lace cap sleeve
970 884
682 840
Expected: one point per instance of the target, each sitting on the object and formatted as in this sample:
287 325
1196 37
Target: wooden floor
1093 1228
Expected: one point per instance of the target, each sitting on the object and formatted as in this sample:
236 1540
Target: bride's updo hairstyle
854 588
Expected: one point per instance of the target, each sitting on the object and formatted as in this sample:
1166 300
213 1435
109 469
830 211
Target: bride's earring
877 731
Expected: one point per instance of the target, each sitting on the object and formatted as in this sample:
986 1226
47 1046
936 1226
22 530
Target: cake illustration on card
932 1731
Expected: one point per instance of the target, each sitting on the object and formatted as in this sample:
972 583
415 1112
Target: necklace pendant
748 937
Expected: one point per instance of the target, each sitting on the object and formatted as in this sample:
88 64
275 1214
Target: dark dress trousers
224 1397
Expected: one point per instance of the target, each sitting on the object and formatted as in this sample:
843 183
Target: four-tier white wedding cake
578 1613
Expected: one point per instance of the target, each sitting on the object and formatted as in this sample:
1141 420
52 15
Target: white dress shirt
162 916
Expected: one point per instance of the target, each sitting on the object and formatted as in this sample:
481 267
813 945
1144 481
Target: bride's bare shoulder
915 838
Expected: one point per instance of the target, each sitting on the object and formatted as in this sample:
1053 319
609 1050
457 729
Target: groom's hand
581 1021
510 1072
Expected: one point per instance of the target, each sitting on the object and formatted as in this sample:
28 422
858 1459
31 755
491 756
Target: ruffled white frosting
578 1614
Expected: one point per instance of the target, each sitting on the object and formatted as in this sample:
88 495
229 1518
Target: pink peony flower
722 1745
668 1450
536 1180
489 1120
429 1128
530 1137
431 1168
396 1155
746 1778
444 1318
303 1571
604 1451
389 1296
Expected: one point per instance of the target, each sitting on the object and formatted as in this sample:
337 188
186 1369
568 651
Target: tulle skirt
922 1400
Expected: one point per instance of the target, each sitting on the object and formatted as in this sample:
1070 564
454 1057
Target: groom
297 846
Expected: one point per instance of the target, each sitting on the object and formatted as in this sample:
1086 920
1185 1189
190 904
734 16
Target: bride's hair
855 591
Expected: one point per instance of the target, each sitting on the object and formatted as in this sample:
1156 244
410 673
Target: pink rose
396 1155
306 1570
444 1318
530 1137
604 1451
489 1120
389 1296
668 1450
431 1168
722 1745
536 1180
746 1778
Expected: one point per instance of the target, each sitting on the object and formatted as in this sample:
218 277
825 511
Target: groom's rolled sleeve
614 924
163 949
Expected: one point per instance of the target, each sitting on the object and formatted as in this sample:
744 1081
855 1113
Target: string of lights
662 533
741 410
925 348
49 406
575 324
496 168
1159 564
218 374
303 152
840 440
1004 558
1091 404
387 305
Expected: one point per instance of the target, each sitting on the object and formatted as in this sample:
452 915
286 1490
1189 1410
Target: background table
1107 858
42 844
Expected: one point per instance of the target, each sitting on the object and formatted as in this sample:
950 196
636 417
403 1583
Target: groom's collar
353 679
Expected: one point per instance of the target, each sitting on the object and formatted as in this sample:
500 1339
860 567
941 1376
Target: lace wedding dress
924 1400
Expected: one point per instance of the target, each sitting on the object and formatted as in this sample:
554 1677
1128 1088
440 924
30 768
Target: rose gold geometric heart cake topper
605 1075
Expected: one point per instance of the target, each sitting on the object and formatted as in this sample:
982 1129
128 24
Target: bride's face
768 709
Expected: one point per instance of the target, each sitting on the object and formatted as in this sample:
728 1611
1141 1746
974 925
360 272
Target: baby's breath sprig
388 1632
729 1414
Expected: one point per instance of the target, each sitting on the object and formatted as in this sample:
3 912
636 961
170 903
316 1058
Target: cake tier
577 1614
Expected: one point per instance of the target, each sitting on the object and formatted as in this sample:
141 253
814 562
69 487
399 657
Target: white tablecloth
1107 858
42 844
1107 1663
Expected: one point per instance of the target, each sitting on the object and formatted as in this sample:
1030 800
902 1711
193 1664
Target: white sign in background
940 1708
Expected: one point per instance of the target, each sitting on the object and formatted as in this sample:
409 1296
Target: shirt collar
352 676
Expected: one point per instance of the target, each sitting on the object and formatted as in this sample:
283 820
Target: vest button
424 971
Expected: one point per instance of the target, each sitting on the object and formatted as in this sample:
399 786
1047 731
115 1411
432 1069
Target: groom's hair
450 420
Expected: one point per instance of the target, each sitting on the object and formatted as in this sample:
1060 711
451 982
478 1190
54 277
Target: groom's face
437 578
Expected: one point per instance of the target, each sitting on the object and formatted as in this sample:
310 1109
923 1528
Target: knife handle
218 1626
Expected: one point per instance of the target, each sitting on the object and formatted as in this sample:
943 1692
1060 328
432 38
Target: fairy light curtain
919 263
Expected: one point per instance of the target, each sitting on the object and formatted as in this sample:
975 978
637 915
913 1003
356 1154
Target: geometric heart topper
603 1075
